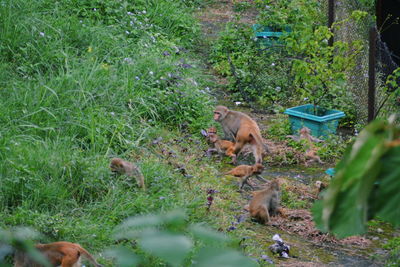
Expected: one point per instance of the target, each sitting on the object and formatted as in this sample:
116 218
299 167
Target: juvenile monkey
242 129
64 254
311 152
121 166
320 187
265 202
245 171
222 146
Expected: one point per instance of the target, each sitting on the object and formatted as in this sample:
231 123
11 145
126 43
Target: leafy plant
171 239
366 183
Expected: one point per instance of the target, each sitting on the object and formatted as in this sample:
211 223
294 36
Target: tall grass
82 81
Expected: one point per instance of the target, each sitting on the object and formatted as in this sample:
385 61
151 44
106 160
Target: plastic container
321 125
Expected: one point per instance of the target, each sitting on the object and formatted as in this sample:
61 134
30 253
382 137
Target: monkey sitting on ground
64 254
266 202
244 172
320 187
221 146
242 129
311 153
121 166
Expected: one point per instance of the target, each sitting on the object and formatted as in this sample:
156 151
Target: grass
82 82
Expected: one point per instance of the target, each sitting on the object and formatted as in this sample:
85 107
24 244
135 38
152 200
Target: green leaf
353 196
386 200
220 257
123 256
173 248
207 235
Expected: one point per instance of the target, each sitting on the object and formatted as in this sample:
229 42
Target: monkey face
258 168
213 137
217 116
305 130
220 113
117 166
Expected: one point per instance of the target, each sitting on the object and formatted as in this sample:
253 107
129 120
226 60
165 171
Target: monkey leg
230 152
245 181
71 261
257 152
262 214
238 147
261 178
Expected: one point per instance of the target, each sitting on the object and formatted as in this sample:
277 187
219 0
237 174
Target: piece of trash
279 247
204 133
237 103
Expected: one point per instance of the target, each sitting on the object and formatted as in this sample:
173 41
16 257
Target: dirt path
310 247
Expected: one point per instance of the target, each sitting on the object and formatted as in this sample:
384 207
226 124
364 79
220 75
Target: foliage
19 239
394 255
366 183
300 68
170 238
320 73
255 74
391 94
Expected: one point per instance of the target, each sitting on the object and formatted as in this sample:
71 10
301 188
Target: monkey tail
88 256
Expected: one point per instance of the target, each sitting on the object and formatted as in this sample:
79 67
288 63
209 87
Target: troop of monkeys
240 131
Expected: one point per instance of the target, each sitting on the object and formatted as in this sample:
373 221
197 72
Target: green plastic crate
320 126
267 36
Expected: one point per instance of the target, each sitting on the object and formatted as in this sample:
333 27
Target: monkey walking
121 166
244 172
242 129
64 254
266 202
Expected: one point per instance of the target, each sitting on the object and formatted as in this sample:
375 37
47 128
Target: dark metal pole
371 73
331 18
378 13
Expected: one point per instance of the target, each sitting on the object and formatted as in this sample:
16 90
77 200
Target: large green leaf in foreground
366 184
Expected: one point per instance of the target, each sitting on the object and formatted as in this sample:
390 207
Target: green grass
81 82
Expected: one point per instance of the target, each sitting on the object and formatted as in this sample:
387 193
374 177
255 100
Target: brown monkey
241 128
222 146
121 166
245 171
64 254
266 202
311 152
320 187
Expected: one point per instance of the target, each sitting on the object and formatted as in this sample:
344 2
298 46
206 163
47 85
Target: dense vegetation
84 81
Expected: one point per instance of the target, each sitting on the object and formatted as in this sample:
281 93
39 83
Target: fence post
331 18
371 73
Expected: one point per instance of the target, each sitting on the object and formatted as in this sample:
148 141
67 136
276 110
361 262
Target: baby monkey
266 202
311 152
222 146
64 254
121 166
245 171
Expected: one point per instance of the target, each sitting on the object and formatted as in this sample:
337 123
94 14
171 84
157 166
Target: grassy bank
83 81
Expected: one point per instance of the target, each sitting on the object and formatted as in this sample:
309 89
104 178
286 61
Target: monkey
64 254
320 187
266 202
244 172
221 146
311 153
242 129
121 166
